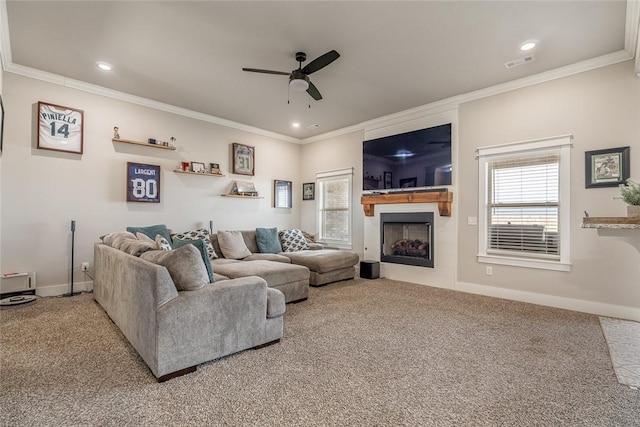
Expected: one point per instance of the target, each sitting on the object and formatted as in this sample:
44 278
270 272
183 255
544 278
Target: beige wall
42 191
601 108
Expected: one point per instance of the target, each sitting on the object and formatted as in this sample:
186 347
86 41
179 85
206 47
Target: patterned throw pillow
293 240
201 234
162 243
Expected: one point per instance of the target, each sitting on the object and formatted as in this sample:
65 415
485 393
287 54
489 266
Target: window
334 207
524 208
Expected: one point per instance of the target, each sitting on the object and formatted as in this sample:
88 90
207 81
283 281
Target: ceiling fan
299 79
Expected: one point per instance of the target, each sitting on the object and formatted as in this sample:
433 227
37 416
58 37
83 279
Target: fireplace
407 238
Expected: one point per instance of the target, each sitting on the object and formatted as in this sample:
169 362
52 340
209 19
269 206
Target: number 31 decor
143 183
243 159
60 128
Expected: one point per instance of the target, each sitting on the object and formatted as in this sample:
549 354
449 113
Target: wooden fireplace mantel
443 198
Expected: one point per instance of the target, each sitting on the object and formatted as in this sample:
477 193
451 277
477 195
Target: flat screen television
411 160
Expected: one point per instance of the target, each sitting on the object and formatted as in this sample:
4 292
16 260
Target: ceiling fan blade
321 62
313 91
257 70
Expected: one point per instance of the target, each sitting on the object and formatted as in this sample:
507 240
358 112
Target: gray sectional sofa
174 331
182 307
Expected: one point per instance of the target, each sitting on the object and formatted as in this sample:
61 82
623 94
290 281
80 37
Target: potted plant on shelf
630 193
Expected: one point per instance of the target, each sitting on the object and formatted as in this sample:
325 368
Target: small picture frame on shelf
309 191
243 159
197 167
606 168
215 168
387 180
60 128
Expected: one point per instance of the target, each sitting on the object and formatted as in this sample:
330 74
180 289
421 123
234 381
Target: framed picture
197 167
387 180
281 194
409 182
60 128
215 168
606 168
309 191
143 183
243 161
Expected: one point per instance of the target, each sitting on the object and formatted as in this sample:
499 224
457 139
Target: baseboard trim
591 307
57 290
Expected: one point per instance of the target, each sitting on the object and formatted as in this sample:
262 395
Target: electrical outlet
489 271
85 266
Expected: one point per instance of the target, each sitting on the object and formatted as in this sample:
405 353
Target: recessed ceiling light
295 124
104 66
528 45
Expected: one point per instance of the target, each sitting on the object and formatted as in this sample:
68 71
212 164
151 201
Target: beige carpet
357 353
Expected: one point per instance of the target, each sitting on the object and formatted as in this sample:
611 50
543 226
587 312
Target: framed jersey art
143 183
60 128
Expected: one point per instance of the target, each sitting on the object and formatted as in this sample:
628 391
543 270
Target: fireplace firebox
407 238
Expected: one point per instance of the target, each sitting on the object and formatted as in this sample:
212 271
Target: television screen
417 159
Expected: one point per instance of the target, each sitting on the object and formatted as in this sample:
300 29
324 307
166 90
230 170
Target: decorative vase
633 210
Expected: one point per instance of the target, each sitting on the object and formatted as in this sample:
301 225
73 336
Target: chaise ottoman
290 279
326 265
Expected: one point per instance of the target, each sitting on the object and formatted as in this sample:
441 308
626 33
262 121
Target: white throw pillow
232 245
293 240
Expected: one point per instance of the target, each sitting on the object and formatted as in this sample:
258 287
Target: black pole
73 239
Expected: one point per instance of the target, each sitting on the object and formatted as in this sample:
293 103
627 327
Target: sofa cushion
232 245
184 264
152 231
274 273
275 303
324 260
293 240
163 244
202 248
198 234
135 247
267 240
115 239
268 257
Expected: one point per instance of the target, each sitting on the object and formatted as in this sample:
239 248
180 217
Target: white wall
601 108
42 191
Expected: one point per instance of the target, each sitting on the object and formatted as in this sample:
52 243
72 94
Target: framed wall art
1 123
243 159
143 183
198 167
606 168
409 182
60 128
387 180
281 194
309 191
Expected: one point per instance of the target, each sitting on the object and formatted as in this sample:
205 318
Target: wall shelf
240 196
611 222
199 173
444 199
146 144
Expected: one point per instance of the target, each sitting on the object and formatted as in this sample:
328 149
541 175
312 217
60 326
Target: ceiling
395 55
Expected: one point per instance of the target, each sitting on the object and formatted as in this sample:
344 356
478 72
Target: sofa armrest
221 318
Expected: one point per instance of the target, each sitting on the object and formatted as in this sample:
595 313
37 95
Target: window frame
560 145
321 178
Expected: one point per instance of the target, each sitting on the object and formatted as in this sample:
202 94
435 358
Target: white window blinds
334 207
523 206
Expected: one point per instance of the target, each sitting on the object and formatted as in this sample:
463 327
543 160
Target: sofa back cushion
185 266
232 244
202 248
267 240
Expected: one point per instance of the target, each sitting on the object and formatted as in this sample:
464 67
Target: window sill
333 245
526 263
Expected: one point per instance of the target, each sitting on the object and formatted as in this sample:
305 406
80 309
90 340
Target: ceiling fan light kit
299 79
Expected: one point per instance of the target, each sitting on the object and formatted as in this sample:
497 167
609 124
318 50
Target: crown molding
455 101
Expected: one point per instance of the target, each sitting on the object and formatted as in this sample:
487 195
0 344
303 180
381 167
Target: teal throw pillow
202 247
268 242
152 231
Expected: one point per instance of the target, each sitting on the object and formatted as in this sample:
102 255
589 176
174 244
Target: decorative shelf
146 144
444 199
240 196
611 222
199 173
